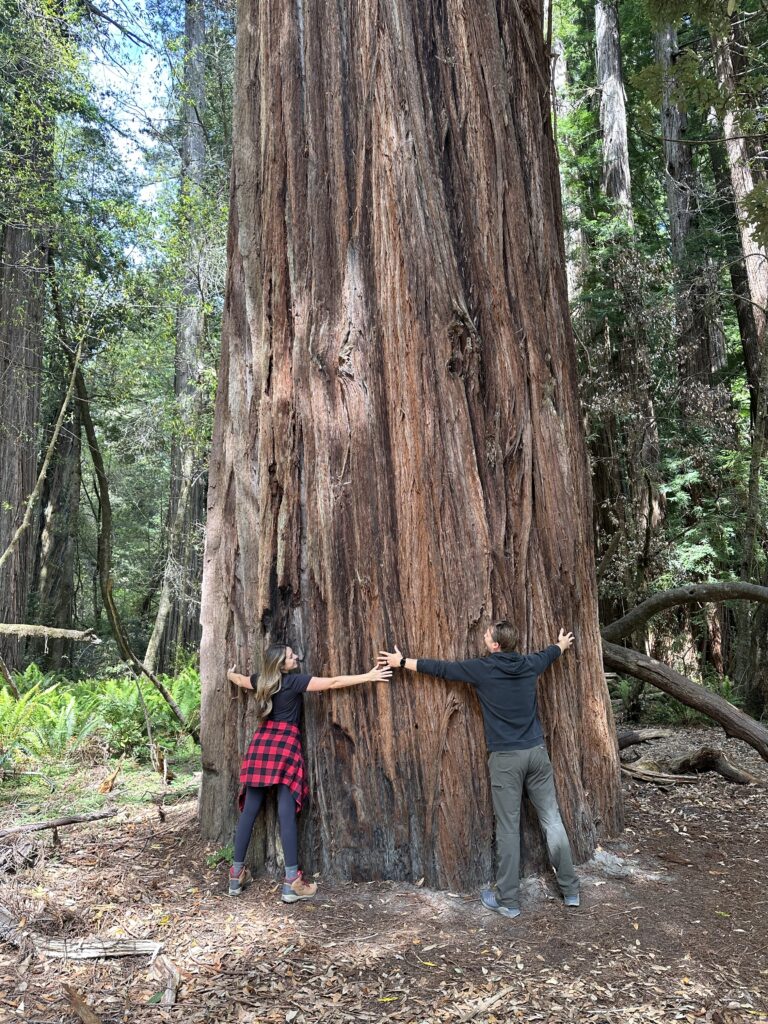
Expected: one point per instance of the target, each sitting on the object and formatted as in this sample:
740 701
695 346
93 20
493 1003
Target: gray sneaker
488 899
238 882
573 900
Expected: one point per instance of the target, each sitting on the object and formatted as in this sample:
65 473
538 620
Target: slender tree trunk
22 302
750 650
174 605
625 444
397 451
755 256
736 268
54 586
576 245
701 342
613 110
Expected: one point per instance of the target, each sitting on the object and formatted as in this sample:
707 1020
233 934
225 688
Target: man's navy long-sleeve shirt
506 687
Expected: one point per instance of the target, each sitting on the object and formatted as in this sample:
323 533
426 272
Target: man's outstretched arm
457 671
543 659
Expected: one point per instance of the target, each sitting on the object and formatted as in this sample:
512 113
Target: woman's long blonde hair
270 679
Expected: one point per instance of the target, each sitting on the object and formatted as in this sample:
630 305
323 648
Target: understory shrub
55 717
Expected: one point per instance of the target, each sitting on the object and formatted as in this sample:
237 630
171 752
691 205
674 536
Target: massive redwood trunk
397 452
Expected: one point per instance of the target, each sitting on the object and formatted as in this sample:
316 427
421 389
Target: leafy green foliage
223 856
53 719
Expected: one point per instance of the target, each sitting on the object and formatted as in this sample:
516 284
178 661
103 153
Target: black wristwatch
402 663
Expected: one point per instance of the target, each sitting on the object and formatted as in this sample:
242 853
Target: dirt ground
672 927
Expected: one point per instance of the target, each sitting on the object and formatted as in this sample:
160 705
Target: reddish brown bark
397 452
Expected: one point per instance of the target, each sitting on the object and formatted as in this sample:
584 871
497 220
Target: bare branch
695 593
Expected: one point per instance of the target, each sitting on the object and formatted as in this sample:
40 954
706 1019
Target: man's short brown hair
505 635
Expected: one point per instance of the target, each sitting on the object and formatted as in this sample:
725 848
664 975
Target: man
505 682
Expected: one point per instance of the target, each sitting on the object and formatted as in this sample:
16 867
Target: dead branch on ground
735 722
629 737
73 819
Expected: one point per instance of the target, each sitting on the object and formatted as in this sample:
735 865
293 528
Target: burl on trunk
398 452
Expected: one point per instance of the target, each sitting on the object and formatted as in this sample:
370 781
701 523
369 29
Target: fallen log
712 759
649 771
689 767
92 948
735 722
48 632
631 736
73 819
88 948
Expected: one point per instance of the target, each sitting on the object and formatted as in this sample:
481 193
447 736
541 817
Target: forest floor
672 925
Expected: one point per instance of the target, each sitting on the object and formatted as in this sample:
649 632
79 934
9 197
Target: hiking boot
297 890
237 882
573 900
488 899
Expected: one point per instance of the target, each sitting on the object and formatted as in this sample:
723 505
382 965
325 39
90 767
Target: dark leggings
286 814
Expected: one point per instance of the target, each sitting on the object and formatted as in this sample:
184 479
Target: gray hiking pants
511 771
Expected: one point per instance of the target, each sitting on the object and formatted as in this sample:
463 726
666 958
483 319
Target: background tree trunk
754 255
22 302
397 448
176 622
750 650
613 107
701 342
576 243
54 581
625 441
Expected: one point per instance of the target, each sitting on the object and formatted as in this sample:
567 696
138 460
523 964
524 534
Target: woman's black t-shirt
286 703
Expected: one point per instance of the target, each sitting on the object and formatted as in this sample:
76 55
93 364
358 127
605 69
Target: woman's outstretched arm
376 675
239 680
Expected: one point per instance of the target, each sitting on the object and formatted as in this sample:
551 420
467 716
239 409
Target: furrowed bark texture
397 450
22 298
613 107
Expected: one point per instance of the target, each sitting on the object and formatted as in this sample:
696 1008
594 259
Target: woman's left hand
380 673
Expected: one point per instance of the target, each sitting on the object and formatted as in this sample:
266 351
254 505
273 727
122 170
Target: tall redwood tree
398 452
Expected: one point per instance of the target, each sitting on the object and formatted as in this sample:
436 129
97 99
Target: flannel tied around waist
274 757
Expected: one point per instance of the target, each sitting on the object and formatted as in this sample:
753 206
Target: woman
274 758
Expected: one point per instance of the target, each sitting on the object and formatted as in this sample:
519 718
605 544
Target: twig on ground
486 1004
81 1008
167 971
